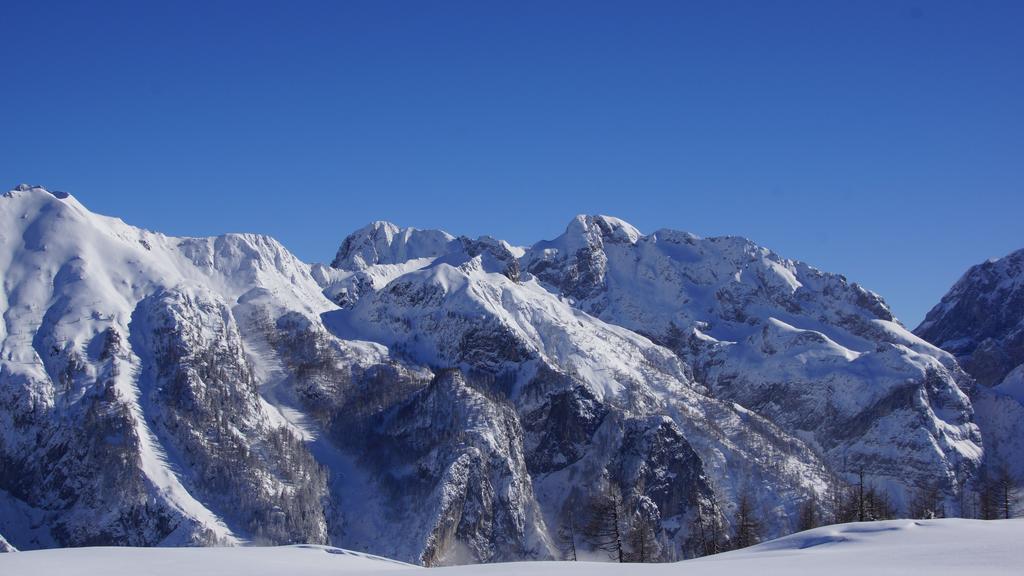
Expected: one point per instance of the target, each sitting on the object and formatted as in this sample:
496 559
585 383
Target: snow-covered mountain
597 403
441 399
981 321
822 358
130 413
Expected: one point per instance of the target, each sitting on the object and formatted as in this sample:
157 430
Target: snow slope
933 547
250 561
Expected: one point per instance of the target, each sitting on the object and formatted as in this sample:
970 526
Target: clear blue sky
883 140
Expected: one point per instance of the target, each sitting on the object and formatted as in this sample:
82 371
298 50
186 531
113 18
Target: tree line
626 532
629 529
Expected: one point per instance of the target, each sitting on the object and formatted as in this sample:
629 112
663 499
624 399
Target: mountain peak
36 189
980 319
383 242
606 228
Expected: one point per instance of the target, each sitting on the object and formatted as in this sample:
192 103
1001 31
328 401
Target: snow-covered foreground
933 547
241 561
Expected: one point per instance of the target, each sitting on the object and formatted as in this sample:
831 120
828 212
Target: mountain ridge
258 398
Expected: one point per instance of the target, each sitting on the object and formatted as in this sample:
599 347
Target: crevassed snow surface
933 547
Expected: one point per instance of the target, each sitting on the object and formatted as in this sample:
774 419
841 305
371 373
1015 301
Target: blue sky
883 140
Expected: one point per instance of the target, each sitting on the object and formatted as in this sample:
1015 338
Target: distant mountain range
442 399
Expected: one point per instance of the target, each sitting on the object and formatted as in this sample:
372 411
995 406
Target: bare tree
841 502
961 491
643 539
809 515
1005 491
746 526
878 504
604 528
865 503
862 511
699 533
707 532
926 502
567 539
987 497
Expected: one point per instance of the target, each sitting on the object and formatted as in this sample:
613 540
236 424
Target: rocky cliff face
440 399
455 454
981 321
201 399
